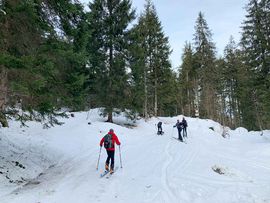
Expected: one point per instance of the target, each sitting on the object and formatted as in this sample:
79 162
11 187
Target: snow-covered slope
58 165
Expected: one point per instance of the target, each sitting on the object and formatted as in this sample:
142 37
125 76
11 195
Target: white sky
224 18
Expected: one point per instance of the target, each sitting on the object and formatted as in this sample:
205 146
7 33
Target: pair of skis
160 133
184 141
103 174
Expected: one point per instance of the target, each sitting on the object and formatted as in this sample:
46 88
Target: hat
111 130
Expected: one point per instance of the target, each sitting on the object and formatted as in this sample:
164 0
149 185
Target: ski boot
106 167
111 170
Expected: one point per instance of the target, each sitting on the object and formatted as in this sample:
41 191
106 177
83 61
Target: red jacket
114 140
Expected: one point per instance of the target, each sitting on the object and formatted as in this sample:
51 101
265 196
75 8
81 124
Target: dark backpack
108 141
179 125
184 123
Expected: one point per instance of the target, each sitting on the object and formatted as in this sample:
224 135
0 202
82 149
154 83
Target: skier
109 140
159 125
179 126
184 122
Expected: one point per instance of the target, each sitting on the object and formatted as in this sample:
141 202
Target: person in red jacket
109 141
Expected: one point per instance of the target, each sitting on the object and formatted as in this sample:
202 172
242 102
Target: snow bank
22 160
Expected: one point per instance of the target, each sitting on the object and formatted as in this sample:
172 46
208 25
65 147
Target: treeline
55 55
234 89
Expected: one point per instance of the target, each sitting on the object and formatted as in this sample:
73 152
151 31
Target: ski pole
172 132
98 157
120 157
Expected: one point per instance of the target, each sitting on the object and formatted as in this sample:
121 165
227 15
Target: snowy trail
155 168
167 193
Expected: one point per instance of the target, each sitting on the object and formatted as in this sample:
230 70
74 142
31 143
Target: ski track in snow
167 194
184 159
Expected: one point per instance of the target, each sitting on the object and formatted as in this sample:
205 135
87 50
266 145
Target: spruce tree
188 81
233 77
153 64
108 23
206 69
137 80
255 45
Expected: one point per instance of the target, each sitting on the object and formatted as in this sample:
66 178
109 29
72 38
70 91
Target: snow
59 164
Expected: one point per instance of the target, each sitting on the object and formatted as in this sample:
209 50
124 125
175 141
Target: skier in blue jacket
179 126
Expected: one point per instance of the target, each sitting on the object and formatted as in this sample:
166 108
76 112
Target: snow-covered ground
58 165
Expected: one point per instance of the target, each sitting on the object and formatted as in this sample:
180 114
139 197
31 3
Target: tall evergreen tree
206 69
233 76
153 64
137 76
255 44
188 81
108 22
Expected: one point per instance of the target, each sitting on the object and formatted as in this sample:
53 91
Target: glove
100 145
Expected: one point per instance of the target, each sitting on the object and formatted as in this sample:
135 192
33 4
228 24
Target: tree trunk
239 113
197 99
3 96
110 107
3 74
110 117
110 71
257 112
156 102
188 96
145 94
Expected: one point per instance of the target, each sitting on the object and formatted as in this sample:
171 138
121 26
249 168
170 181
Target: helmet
111 130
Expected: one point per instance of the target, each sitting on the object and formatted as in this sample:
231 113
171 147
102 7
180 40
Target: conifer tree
108 22
233 76
206 69
137 77
256 49
188 81
153 64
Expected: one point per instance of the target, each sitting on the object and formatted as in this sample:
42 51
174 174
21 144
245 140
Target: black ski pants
184 131
110 157
179 134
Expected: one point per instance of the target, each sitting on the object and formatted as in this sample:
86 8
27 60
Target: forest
56 56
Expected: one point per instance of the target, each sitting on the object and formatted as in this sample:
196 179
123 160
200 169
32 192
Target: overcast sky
224 18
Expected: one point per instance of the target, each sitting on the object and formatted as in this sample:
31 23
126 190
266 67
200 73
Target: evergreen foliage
40 70
151 66
54 55
256 50
108 22
206 69
188 82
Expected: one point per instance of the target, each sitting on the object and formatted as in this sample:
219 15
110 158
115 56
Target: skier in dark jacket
112 139
184 122
159 125
179 126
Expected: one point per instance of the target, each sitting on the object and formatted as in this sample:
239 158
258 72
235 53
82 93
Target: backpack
179 125
184 123
108 141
